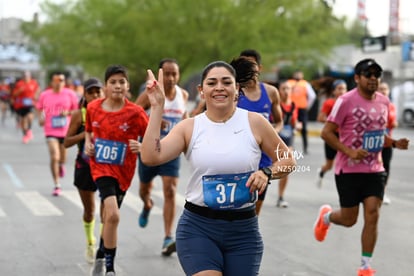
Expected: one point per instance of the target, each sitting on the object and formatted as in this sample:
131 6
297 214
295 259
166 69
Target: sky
376 11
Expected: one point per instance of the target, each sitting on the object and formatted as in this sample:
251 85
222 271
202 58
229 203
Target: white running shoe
90 253
281 203
98 268
386 200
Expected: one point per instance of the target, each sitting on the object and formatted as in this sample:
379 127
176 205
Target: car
407 116
403 98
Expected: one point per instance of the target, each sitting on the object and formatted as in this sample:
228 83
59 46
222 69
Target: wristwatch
268 172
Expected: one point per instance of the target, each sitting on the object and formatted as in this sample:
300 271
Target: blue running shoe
168 246
143 217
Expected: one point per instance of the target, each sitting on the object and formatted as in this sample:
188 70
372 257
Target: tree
138 33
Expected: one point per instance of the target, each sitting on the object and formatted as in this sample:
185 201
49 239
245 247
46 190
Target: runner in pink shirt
55 105
361 116
363 127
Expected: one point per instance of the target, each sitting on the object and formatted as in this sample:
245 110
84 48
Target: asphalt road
43 235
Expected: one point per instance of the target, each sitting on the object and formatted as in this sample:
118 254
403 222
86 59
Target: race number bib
227 191
58 121
373 141
170 122
27 102
110 152
286 132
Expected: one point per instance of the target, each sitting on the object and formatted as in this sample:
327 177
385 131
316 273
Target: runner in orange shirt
303 96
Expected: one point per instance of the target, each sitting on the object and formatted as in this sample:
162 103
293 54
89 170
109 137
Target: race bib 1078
373 140
58 121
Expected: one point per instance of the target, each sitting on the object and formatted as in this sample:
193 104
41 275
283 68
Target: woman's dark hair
82 102
252 53
215 64
241 68
246 70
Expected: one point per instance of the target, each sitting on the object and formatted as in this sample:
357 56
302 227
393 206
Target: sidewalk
314 129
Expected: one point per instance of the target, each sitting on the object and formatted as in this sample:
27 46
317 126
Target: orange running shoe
366 272
320 229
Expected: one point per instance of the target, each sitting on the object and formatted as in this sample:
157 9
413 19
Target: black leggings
386 159
303 117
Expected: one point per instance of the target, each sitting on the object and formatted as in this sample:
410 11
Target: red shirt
24 93
327 106
392 118
128 123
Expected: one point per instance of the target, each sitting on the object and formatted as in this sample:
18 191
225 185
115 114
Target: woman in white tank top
218 230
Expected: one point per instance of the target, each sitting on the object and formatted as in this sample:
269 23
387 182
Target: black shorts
386 155
109 186
59 139
353 188
330 153
83 179
22 112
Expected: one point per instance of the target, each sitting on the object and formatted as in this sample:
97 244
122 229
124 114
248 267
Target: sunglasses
369 74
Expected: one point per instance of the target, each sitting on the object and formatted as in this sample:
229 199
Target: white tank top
173 110
220 148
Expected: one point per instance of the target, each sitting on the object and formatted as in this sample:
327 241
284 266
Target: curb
314 129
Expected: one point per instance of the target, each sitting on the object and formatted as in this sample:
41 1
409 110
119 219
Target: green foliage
138 33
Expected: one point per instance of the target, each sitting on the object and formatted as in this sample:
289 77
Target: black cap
92 82
365 65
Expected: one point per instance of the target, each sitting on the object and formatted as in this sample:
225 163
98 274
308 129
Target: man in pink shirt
55 105
361 116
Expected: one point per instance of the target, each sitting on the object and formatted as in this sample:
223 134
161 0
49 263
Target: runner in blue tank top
261 98
262 106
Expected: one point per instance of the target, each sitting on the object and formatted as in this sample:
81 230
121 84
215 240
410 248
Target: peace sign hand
155 89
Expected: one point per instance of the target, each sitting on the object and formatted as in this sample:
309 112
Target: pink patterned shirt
362 124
